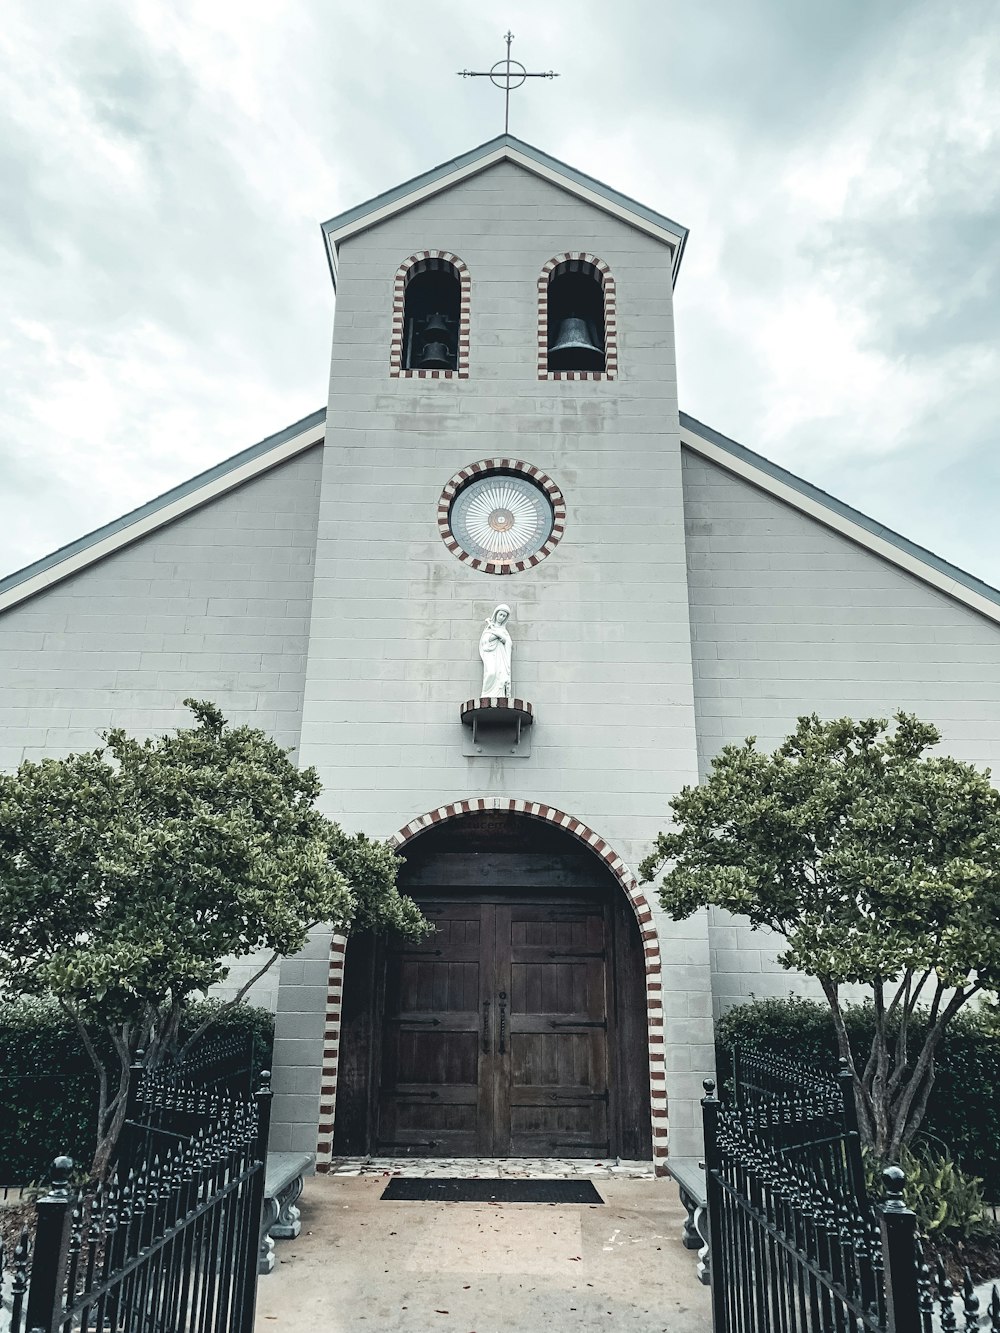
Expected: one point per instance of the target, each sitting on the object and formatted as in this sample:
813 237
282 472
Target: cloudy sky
164 166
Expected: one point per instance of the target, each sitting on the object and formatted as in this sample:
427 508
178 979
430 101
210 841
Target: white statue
494 649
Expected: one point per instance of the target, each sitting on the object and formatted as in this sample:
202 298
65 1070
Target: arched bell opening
575 322
519 1028
431 316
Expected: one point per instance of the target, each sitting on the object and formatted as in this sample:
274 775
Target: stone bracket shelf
497 728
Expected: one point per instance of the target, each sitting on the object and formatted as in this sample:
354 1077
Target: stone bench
283 1180
690 1176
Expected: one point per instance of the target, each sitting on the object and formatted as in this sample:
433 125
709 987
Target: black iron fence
224 1061
795 1245
174 1102
168 1243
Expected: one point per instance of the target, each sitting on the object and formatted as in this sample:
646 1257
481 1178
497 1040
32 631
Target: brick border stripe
409 268
485 467
331 1052
491 703
647 930
610 371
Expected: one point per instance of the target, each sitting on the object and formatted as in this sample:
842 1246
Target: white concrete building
502 428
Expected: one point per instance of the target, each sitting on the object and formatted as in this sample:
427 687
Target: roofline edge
852 523
447 174
163 509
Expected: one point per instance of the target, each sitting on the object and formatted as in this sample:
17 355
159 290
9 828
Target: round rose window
502 516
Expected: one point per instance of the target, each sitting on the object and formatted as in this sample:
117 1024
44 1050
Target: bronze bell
435 344
435 356
575 347
436 327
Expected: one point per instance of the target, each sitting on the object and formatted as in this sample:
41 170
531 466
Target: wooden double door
497 1032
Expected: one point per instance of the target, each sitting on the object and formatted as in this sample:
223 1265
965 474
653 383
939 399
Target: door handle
502 1048
486 1027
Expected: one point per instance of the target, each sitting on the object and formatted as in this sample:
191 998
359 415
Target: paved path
484 1268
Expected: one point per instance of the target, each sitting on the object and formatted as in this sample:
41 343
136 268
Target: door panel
432 1082
496 1033
552 962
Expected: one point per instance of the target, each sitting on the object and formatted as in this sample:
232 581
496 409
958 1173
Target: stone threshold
500 1168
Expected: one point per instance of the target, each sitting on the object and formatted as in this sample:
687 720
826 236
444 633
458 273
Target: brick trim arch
331 1052
610 371
650 944
415 264
485 466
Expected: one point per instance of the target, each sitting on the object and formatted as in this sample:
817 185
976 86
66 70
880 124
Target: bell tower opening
431 314
519 1027
576 333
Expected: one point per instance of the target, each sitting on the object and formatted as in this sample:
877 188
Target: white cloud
166 165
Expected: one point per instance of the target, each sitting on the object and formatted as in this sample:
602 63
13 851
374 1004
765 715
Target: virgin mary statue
494 649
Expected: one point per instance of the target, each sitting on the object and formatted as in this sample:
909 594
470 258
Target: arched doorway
519 1028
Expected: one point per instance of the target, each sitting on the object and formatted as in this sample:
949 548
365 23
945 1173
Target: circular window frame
493 467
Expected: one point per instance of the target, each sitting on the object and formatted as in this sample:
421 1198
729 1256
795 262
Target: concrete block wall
600 628
213 606
789 617
300 1022
263 992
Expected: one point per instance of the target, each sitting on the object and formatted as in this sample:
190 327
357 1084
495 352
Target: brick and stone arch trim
331 1052
483 468
650 944
409 268
610 371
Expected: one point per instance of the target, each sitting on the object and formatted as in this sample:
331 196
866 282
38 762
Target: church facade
508 599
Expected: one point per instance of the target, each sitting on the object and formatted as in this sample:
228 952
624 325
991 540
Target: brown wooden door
436 1092
552 1095
496 1033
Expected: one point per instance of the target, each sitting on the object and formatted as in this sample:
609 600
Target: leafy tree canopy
130 874
878 863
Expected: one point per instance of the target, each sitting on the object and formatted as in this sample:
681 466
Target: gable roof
504 148
841 517
173 504
305 434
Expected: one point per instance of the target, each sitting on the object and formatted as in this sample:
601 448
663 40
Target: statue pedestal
497 728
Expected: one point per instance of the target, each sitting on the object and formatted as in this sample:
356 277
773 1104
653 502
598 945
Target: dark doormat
445 1189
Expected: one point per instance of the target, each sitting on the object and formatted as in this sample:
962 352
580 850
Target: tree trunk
908 1111
111 1118
878 1088
107 1141
892 1099
861 1096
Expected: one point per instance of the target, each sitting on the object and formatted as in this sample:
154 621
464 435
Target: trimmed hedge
48 1086
963 1113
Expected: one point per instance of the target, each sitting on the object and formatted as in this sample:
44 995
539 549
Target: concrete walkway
484 1268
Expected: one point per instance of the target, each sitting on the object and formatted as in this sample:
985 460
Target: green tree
877 862
130 874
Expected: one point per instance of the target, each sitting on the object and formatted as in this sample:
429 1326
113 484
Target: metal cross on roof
506 74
